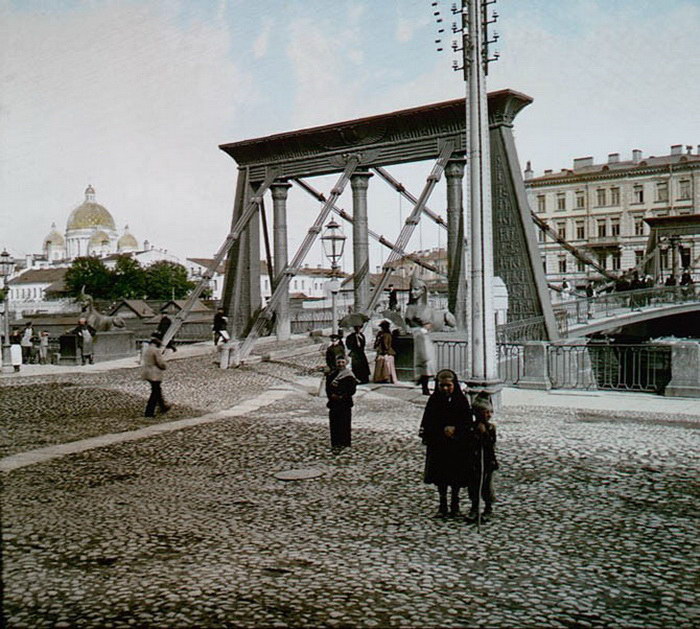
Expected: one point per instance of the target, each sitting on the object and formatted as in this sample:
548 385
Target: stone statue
419 313
101 323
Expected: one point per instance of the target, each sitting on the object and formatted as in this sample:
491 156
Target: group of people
26 346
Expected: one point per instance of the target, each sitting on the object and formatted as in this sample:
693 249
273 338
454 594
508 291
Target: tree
90 273
167 280
128 279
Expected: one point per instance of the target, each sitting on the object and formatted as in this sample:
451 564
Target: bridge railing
582 311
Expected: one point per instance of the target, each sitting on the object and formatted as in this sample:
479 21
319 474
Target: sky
135 96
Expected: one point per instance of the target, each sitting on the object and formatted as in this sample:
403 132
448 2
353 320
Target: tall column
360 239
483 371
456 284
279 234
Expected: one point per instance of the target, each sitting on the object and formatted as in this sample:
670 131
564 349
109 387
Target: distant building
607 209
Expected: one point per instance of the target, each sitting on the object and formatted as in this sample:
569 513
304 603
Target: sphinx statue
100 322
419 313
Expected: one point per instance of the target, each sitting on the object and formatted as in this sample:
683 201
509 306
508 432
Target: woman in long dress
384 366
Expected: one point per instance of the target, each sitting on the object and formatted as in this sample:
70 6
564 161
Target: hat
482 402
334 336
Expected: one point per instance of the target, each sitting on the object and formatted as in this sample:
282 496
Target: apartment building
608 210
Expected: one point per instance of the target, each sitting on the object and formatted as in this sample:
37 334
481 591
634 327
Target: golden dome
90 214
99 238
127 241
54 237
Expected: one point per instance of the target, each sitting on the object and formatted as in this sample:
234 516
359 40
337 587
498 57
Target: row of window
613 261
605 197
26 293
604 228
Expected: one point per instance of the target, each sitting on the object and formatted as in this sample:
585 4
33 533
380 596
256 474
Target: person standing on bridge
220 324
445 431
356 342
153 366
86 340
340 387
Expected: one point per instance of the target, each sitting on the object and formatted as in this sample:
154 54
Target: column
279 234
456 284
360 240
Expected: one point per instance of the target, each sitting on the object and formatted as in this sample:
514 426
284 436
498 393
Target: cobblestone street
595 524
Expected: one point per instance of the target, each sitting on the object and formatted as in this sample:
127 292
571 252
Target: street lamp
7 264
333 241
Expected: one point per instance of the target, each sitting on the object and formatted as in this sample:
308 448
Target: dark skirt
448 462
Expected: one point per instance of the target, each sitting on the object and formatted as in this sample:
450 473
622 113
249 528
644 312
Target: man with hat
333 351
153 366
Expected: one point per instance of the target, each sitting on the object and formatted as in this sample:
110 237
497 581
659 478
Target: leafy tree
167 280
90 273
128 279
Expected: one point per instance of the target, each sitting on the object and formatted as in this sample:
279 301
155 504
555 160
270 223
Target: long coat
153 364
340 392
448 460
356 343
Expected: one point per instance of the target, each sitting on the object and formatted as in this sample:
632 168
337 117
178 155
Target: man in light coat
153 366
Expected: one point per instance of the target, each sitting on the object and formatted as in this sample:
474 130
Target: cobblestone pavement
596 525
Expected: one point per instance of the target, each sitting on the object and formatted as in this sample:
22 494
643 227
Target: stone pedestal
107 346
685 371
536 369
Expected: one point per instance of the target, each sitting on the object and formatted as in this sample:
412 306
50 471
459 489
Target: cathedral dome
99 238
90 214
54 237
127 241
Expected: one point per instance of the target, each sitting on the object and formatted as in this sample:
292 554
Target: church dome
90 214
99 238
127 241
54 237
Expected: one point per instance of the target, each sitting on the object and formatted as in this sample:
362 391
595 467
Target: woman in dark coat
356 343
340 387
446 430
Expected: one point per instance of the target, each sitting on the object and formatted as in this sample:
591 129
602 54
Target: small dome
99 238
90 214
54 237
127 241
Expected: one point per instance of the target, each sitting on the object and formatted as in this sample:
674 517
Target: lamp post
333 241
7 264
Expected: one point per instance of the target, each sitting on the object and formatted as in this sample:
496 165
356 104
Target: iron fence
511 362
644 368
308 320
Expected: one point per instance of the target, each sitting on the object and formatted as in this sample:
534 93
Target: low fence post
685 371
536 371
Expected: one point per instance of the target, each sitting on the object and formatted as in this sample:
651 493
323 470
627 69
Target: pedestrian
153 366
565 291
482 457
424 355
393 298
355 343
26 342
16 349
43 347
333 352
384 367
220 326
163 327
86 338
445 431
340 387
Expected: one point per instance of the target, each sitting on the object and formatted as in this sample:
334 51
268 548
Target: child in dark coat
445 430
340 387
483 457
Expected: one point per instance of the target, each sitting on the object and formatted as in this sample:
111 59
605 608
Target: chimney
548 172
698 149
676 149
636 156
613 158
29 261
582 162
528 171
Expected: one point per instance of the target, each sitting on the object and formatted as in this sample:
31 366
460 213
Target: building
437 258
607 210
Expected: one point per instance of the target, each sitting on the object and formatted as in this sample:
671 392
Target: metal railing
531 329
511 362
583 311
644 368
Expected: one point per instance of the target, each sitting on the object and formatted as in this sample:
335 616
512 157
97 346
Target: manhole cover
302 474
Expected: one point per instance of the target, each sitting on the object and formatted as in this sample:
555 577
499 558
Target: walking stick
481 485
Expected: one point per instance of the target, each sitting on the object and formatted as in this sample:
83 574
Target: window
561 201
544 264
638 193
603 260
638 257
562 265
580 266
684 189
295 284
615 228
580 230
580 199
601 196
601 228
541 236
614 196
561 229
663 259
541 205
639 225
662 192
616 257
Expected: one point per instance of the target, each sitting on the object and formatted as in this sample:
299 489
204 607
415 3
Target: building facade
604 208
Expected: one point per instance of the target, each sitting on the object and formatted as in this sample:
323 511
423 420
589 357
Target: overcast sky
134 97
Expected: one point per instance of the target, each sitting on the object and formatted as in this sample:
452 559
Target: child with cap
483 456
